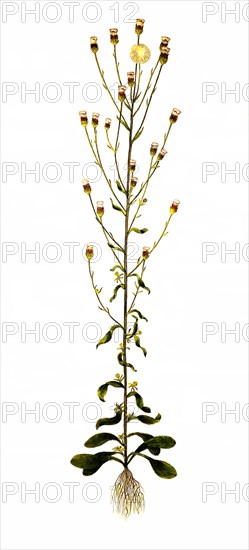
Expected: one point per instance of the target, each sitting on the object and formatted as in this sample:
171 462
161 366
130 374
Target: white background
181 372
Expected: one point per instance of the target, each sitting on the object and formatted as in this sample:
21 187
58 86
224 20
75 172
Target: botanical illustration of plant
128 197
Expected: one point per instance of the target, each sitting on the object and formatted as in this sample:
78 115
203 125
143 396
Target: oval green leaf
99 439
91 461
161 468
149 419
103 389
139 314
139 401
109 421
115 291
142 231
137 342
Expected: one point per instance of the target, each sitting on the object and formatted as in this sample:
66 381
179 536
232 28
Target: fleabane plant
128 197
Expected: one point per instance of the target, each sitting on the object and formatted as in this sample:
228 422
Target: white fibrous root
127 495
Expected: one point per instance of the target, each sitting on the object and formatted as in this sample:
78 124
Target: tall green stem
125 381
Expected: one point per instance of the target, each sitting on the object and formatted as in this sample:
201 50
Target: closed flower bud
174 206
132 165
164 42
164 54
174 115
100 208
153 148
94 44
114 36
83 118
145 252
131 78
139 26
86 186
89 251
121 93
95 119
134 182
107 123
162 154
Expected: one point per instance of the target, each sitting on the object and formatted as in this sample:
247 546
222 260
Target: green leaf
91 471
117 266
99 439
139 314
135 329
139 230
120 360
120 188
103 389
123 122
130 366
139 401
107 337
115 247
137 135
116 207
158 442
149 419
91 461
109 421
115 291
137 342
146 437
142 284
162 441
161 468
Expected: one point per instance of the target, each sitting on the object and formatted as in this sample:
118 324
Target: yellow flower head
140 53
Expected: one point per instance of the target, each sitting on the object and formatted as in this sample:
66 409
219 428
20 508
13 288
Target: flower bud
121 93
161 154
145 252
164 42
89 251
134 182
153 148
164 54
174 115
139 26
131 78
132 165
94 44
108 123
86 186
100 208
83 118
95 119
114 36
174 206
